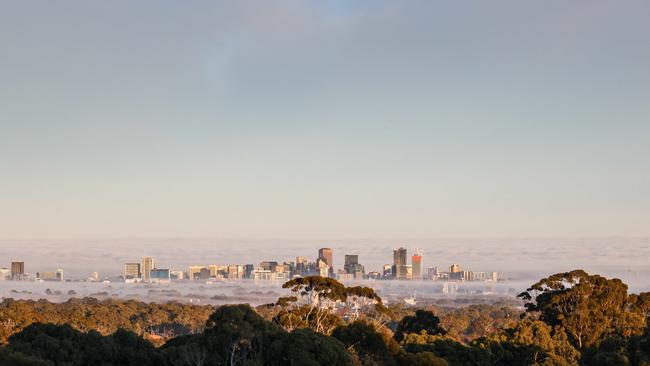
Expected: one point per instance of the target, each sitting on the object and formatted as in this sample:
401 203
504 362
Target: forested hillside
570 318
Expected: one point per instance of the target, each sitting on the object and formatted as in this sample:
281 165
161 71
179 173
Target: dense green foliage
326 323
64 345
422 322
588 307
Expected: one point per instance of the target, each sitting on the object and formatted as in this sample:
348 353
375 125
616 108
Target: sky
289 119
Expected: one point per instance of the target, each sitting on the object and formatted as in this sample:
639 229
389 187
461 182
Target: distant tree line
570 318
150 320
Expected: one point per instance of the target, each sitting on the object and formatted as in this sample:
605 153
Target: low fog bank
257 292
195 292
443 293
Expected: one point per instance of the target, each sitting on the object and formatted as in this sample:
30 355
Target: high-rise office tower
416 263
323 268
146 267
456 273
17 270
351 260
214 270
131 271
301 266
353 267
248 270
399 264
326 255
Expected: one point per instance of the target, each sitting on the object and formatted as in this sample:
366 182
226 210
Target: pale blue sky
302 120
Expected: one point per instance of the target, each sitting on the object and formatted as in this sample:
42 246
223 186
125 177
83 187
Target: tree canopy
588 307
326 323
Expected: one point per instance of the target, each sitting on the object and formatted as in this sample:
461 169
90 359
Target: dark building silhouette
351 260
352 266
399 264
17 270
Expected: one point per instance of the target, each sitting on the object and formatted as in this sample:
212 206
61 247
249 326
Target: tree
367 344
308 348
611 351
541 343
236 334
319 320
421 359
105 316
8 358
588 307
358 299
317 289
318 298
422 321
63 345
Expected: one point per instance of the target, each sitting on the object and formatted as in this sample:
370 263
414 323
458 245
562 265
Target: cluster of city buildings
146 270
17 273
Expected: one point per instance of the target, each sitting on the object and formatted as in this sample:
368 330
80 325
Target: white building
5 274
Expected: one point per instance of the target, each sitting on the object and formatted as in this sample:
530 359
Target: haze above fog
323 120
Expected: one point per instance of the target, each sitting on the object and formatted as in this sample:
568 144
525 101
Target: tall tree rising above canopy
588 307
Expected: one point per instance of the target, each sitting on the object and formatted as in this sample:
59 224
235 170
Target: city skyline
146 271
514 255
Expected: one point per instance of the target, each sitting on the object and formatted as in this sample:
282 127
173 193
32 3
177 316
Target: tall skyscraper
146 267
131 271
456 273
301 266
17 270
248 270
326 255
353 267
214 270
351 260
416 263
399 264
